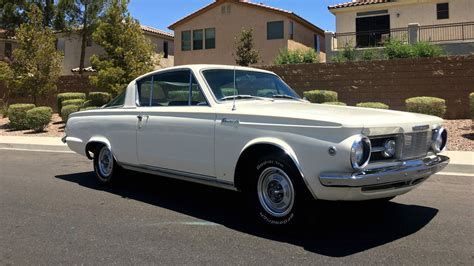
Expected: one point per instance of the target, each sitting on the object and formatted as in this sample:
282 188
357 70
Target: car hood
345 116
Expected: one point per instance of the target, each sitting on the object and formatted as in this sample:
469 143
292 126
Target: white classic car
245 129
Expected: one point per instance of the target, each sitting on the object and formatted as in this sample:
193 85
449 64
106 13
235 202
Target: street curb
25 146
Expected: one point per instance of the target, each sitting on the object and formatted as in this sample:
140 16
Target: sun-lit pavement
52 211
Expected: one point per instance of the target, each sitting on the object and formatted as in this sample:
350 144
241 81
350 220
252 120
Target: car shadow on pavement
333 229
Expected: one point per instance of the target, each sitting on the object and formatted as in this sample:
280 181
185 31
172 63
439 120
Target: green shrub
67 110
286 56
371 54
17 115
320 96
88 108
349 52
78 102
38 118
426 105
424 49
471 103
398 49
68 96
335 103
99 98
376 105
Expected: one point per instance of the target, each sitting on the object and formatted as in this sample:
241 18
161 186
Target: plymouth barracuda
245 129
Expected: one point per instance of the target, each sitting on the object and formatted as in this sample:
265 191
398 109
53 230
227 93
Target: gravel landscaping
461 135
54 129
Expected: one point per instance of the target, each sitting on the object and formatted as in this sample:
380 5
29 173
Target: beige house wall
228 25
72 51
404 12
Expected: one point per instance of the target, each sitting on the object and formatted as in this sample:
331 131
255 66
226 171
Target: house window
8 50
89 41
186 40
317 43
197 39
165 49
370 31
292 30
442 10
61 45
275 30
210 38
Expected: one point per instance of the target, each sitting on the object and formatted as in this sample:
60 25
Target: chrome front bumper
408 173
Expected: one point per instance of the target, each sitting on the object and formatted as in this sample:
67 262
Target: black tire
110 175
277 169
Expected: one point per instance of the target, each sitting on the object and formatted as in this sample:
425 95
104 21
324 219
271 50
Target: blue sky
162 13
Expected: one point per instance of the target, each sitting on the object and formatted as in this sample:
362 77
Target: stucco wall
229 25
72 51
404 12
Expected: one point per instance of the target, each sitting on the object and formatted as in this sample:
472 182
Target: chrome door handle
140 117
230 121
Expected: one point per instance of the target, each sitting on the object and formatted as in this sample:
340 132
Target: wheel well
92 147
249 156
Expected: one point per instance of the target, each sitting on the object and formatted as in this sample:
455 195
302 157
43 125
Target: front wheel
277 193
105 167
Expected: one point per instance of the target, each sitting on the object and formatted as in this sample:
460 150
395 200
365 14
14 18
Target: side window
170 89
144 91
117 101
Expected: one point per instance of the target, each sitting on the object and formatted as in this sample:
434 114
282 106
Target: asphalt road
52 211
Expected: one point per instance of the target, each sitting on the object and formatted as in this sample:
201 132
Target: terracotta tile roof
247 2
358 3
157 31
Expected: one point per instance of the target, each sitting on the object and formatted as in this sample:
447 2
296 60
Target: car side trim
185 176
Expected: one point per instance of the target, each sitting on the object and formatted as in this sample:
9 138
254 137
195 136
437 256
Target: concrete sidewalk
461 161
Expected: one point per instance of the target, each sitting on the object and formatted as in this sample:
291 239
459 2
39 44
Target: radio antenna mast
235 92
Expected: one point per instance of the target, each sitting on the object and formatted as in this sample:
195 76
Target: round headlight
440 138
390 148
360 152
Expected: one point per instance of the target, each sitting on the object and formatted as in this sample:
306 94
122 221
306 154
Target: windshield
248 85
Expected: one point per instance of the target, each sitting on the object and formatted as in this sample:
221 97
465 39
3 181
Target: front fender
283 146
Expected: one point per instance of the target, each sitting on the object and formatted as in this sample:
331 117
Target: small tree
36 62
245 53
6 77
128 54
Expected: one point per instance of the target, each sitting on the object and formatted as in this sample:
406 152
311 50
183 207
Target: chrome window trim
137 100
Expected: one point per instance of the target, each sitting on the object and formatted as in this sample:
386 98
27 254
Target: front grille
416 145
409 146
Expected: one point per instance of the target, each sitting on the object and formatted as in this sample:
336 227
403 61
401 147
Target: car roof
199 67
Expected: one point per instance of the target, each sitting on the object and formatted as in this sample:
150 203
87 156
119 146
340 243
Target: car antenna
235 93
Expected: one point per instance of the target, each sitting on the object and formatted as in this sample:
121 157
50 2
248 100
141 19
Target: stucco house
208 34
70 45
370 21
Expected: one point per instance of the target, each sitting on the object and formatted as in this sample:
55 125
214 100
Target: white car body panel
194 139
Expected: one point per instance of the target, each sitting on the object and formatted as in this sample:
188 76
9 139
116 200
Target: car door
176 125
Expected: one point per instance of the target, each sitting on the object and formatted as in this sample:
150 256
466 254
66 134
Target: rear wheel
276 192
105 167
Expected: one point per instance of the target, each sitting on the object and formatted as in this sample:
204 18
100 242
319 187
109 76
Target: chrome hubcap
106 162
275 192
